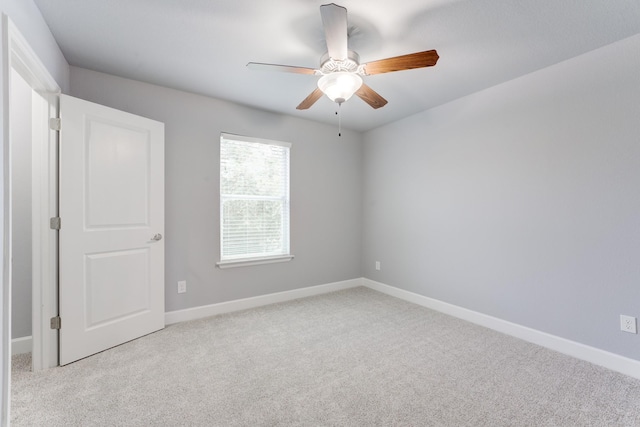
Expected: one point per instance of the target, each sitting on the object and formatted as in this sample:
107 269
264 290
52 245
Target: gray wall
21 206
325 191
520 202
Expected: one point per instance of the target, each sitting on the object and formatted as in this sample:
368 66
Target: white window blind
254 199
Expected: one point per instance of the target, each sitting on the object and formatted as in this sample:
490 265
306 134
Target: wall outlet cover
182 286
628 324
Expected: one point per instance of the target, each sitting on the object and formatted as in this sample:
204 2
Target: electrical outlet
628 324
182 286
378 265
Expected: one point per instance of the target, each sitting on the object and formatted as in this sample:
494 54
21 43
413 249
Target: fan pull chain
339 119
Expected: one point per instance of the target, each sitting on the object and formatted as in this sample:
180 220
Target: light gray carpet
350 358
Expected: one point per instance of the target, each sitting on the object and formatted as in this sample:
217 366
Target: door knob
157 237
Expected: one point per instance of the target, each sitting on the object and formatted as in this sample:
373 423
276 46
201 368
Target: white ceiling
202 46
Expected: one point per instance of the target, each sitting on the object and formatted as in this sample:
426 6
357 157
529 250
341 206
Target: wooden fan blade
334 20
427 58
371 97
284 68
310 100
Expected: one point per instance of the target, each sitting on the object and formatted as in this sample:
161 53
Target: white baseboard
593 355
177 316
21 345
590 354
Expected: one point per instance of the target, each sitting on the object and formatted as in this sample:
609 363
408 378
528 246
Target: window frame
230 262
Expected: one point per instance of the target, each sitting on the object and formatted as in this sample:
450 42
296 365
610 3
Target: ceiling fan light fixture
340 67
339 86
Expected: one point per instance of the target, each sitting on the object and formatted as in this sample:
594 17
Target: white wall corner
21 345
194 313
612 361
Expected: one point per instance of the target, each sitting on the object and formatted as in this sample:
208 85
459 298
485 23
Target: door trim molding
19 56
44 205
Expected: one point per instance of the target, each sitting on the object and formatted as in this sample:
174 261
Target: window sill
232 263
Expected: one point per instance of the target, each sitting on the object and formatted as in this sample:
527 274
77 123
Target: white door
112 214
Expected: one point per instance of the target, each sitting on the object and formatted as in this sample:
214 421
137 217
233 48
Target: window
254 201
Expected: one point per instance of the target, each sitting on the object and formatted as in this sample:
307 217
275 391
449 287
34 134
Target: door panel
111 205
117 175
110 293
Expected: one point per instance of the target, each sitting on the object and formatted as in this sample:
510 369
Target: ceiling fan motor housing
350 64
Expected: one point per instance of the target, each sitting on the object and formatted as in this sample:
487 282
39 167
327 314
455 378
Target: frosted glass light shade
340 85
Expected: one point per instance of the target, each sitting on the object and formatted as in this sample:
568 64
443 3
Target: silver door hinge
56 322
54 123
55 223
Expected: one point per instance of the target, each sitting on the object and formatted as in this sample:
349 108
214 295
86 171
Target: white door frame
22 58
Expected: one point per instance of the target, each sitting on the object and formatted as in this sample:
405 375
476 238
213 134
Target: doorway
30 162
33 183
20 104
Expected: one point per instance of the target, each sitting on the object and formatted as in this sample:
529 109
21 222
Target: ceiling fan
340 68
